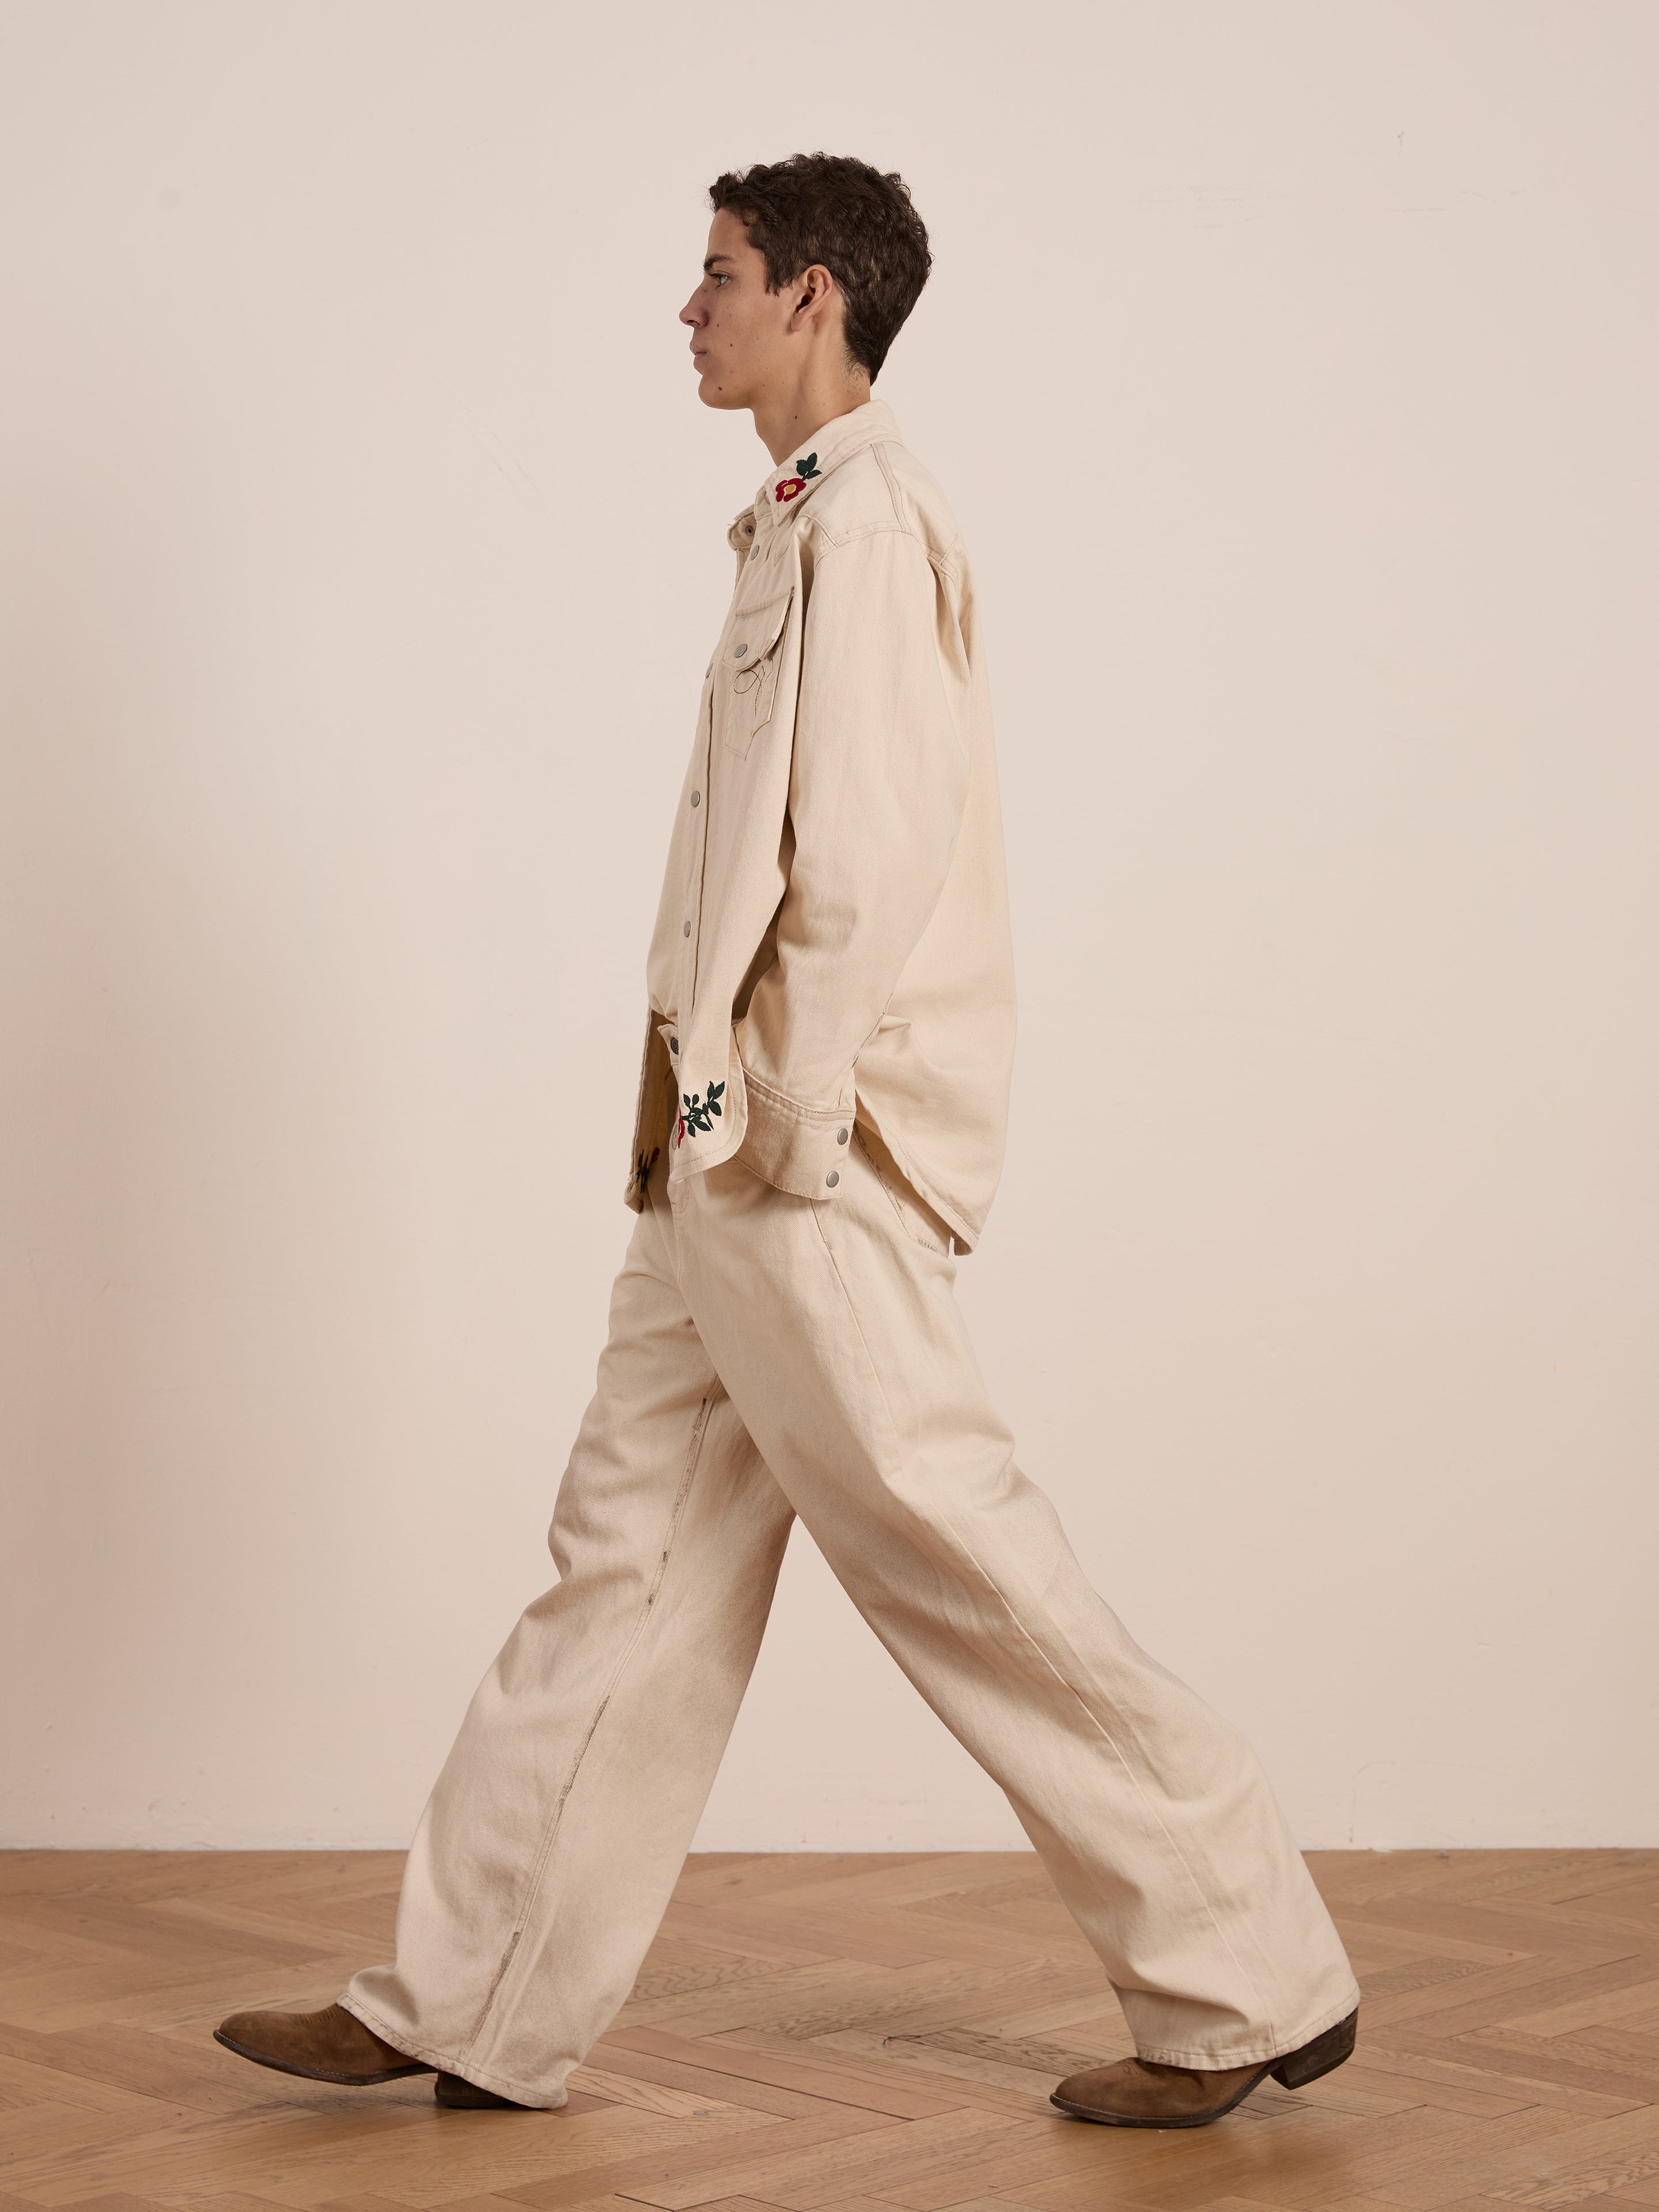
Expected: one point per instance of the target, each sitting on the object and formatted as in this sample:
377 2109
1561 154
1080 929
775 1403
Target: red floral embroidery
809 468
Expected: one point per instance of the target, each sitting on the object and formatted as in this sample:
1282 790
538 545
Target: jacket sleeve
878 786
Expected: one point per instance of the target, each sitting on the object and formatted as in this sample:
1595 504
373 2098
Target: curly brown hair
860 224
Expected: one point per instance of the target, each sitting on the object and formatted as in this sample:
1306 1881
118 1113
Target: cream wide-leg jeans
770 1356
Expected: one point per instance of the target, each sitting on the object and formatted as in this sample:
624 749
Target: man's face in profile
739 329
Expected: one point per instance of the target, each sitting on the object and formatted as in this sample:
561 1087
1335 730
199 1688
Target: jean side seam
544 1850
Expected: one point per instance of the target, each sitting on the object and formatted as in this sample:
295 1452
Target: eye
720 277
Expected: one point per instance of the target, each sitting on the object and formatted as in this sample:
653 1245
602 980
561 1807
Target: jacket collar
789 487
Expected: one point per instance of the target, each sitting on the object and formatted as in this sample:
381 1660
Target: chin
712 394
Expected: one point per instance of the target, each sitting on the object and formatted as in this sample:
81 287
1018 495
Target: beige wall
1292 369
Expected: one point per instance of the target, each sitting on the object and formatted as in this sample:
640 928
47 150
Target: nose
692 313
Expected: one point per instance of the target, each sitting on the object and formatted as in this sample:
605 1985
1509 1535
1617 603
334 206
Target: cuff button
832 1178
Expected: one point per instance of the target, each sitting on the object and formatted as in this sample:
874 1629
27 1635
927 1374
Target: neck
784 420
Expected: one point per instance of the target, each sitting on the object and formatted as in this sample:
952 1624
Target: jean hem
1208 2061
480 2077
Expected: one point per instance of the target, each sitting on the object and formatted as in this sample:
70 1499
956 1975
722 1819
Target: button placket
698 854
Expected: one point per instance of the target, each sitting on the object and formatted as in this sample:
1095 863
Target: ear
814 290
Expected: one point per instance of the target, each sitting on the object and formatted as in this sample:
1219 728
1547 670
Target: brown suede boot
1140 2092
331 2045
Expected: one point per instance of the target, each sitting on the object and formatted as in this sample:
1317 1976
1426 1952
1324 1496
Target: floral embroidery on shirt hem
694 1119
643 1167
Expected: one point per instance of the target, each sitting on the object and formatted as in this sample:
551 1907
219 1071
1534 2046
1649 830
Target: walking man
818 1135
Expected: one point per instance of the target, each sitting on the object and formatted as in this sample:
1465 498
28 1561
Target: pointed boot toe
330 2045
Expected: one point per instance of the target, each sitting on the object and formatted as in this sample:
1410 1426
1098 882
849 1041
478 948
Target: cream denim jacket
832 945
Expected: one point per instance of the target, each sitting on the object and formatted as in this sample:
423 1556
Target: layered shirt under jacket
832 943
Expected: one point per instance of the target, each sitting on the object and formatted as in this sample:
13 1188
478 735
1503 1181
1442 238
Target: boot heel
1322 2056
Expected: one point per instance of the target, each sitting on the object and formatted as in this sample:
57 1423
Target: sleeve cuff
794 1147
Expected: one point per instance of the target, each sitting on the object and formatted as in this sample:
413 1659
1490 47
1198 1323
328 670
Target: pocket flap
755 633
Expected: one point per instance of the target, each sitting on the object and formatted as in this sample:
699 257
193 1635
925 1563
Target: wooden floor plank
813 2075
829 2032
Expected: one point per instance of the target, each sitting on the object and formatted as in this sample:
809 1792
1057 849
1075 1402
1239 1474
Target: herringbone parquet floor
818 2034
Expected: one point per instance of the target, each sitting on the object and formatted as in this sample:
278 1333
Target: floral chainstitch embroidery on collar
791 485
694 1121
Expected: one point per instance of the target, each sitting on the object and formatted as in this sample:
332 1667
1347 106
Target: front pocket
746 677
922 1227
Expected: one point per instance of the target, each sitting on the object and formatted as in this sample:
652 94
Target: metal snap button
697 799
832 1178
840 1136
685 929
739 651
673 1044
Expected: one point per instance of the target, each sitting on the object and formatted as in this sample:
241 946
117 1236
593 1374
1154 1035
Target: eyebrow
711 259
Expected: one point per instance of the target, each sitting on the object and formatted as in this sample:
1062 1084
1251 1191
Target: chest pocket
746 674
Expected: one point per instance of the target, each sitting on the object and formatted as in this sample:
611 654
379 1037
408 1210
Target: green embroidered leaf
809 467
699 1108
